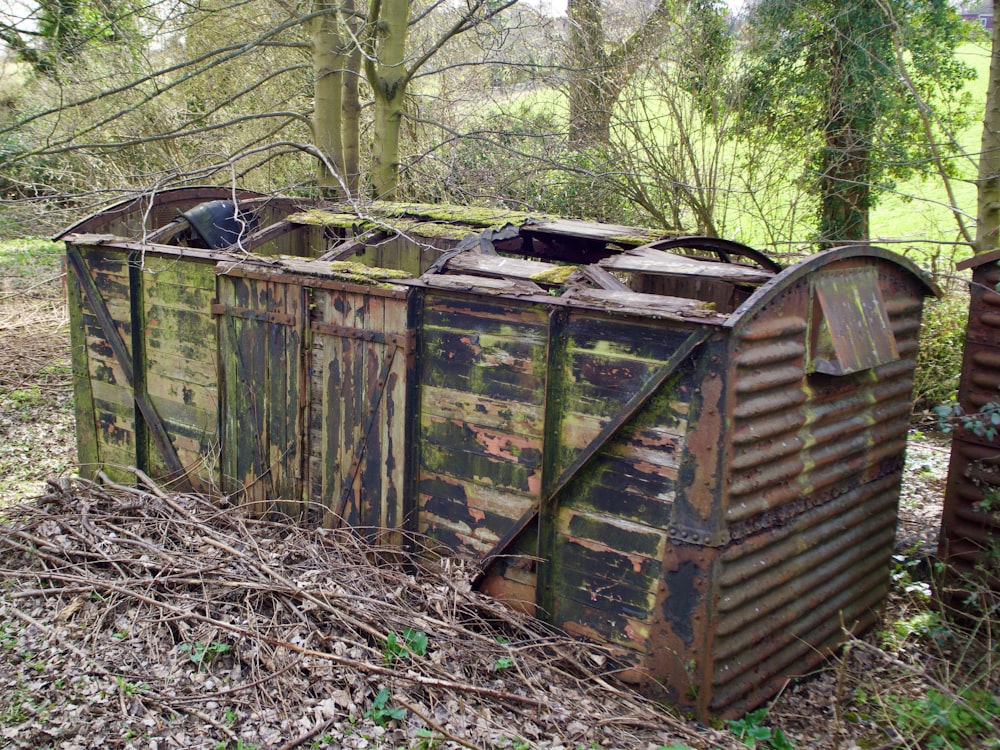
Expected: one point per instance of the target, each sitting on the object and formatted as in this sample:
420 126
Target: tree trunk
592 91
853 110
387 75
351 128
988 210
844 189
329 56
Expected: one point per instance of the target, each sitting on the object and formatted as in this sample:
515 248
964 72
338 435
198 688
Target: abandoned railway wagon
672 446
970 526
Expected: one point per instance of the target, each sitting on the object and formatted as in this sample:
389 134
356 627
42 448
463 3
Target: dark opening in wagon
669 445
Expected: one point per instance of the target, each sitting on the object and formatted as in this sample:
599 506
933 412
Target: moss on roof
415 217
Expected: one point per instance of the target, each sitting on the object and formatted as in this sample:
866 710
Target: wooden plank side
502 368
362 380
636 476
115 426
315 492
510 417
180 344
600 385
582 620
104 366
186 419
354 414
497 317
191 331
393 427
329 400
87 452
579 428
369 449
113 400
595 587
353 392
229 373
624 338
163 293
245 447
608 575
482 418
460 463
609 363
612 493
189 381
275 359
479 514
616 566
295 435
194 434
610 534
251 413
483 441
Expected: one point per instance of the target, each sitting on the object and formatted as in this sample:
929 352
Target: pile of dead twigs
134 617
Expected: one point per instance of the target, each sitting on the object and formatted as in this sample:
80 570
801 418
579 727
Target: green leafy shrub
939 359
943 721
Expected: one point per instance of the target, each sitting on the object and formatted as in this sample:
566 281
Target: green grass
28 261
919 211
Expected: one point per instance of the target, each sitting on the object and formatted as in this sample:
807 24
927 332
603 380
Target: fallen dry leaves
141 618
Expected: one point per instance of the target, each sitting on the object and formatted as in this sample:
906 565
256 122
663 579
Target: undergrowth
939 359
933 680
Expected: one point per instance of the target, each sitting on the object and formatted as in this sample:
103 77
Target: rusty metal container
671 446
970 527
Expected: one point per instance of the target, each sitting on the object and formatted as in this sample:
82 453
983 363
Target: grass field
919 214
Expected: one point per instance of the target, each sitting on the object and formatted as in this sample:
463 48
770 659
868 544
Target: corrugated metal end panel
967 531
816 465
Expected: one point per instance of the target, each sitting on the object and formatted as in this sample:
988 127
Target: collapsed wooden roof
492 251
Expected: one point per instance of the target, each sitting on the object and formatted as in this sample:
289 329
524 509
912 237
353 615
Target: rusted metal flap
849 326
117 344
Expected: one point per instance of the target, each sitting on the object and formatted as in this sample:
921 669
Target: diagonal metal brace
634 404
